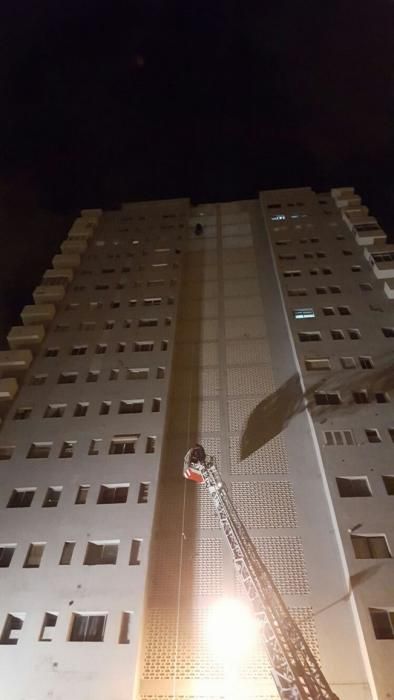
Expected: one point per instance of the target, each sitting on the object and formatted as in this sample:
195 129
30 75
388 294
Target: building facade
161 325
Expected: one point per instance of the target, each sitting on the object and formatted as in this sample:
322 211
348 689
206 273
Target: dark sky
103 102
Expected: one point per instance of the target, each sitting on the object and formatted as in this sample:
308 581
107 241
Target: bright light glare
231 629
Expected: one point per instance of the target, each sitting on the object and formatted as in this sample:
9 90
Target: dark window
88 627
113 493
21 498
353 487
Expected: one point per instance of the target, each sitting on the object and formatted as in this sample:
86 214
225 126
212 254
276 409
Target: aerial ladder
296 672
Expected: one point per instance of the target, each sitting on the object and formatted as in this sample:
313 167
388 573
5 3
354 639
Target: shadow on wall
274 412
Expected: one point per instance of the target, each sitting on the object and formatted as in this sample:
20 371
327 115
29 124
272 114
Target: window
113 375
39 450
326 271
353 486
348 362
323 398
309 337
92 376
67 378
143 346
391 433
388 332
292 273
135 551
113 493
124 634
49 622
101 348
6 451
347 252
67 449
383 622
22 413
354 334
88 627
143 492
303 313
335 289
164 345
123 444
115 304
382 397
299 292
344 311
101 553
318 364
132 302
95 305
55 410
6 554
12 626
52 497
161 373
147 322
156 405
62 328
366 287
137 373
338 437
105 408
34 555
337 334
150 444
108 326
38 379
94 446
153 301
121 347
372 435
388 480
135 406
370 547
321 290
79 350
365 362
67 553
328 310
82 494
361 396
87 326
81 409
356 268
21 498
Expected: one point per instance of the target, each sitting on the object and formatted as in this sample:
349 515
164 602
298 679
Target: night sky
104 102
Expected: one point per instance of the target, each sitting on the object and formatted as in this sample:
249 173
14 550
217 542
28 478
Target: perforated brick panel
191 354
239 412
238 229
248 306
269 459
205 512
202 416
193 659
206 567
240 288
233 271
305 620
284 558
196 309
265 504
202 244
257 380
237 242
203 330
200 290
201 272
200 258
247 352
239 256
230 215
252 327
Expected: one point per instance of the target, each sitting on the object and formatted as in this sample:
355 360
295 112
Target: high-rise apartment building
262 329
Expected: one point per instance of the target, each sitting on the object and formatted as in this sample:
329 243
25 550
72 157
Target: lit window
303 313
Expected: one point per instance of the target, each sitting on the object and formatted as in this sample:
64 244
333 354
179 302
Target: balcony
81 229
66 261
72 246
14 361
38 313
8 389
29 337
355 215
381 259
345 197
49 294
368 232
91 214
63 277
